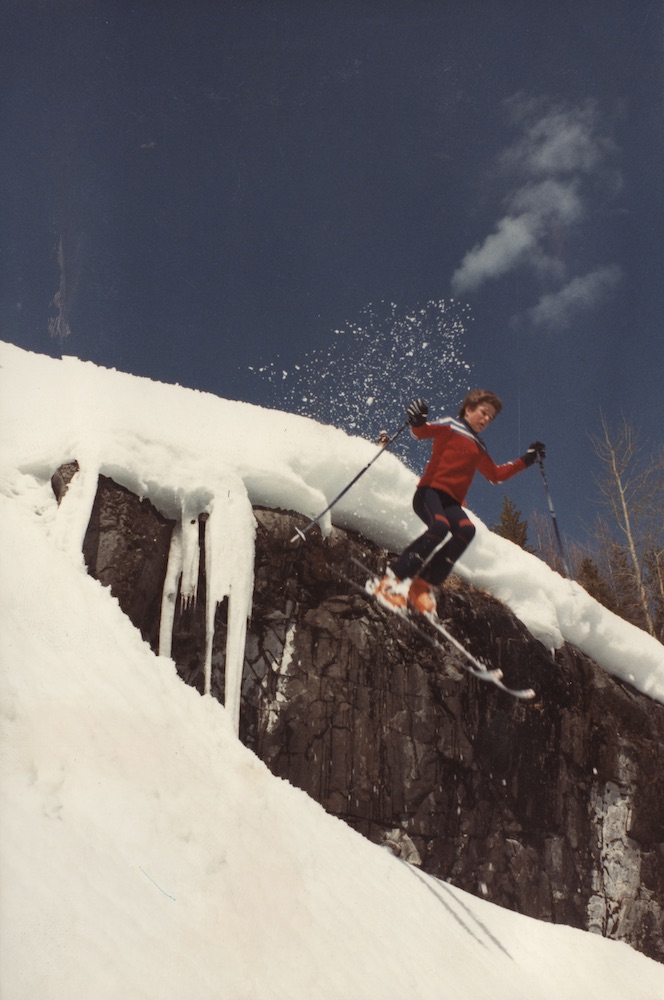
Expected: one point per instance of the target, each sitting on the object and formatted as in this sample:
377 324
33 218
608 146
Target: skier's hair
477 396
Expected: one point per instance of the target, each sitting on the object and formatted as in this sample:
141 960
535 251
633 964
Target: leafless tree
631 487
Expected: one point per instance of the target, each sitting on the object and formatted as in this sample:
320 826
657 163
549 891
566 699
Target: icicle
229 554
73 514
170 592
181 571
191 554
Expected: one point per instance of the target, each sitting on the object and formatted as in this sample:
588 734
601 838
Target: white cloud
557 309
556 169
550 198
562 141
499 253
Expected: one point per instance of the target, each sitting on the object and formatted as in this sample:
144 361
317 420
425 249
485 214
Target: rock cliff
554 808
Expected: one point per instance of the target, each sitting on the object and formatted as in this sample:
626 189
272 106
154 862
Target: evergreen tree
546 548
595 584
511 525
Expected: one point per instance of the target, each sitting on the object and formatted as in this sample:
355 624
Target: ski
471 665
431 640
495 674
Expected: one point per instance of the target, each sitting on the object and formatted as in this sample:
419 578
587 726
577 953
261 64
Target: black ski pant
443 516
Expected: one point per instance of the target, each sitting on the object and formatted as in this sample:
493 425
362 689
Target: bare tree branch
631 491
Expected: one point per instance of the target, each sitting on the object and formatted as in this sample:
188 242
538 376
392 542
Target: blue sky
233 182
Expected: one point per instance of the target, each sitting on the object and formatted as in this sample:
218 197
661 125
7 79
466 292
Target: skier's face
480 417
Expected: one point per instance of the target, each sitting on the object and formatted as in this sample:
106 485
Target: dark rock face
125 548
542 807
554 808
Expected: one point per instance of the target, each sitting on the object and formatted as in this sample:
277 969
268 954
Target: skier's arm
417 411
424 430
500 473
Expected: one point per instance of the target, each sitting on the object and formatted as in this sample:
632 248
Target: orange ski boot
387 593
420 596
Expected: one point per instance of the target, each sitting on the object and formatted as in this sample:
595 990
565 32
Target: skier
457 452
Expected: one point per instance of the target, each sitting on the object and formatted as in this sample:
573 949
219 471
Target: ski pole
300 533
553 518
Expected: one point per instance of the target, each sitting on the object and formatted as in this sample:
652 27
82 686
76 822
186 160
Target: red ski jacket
456 454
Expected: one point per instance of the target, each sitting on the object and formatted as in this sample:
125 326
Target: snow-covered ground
143 851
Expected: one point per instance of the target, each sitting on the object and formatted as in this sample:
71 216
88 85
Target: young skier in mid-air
457 453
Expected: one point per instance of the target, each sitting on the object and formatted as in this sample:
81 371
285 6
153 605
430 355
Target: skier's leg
463 532
428 505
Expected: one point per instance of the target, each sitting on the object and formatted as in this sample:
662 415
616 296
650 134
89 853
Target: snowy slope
190 451
145 853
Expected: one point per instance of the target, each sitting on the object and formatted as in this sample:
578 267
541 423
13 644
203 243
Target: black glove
417 412
536 452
